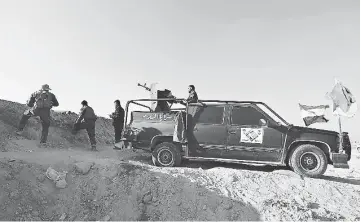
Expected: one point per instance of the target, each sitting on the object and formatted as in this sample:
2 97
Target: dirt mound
60 128
124 185
113 190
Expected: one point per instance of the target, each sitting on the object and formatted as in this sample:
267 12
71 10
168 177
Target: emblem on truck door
251 135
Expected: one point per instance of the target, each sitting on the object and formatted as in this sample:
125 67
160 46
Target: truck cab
245 132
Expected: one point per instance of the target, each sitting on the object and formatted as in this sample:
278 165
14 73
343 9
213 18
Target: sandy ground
123 185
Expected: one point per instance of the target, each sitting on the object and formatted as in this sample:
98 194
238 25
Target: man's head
117 103
84 103
45 87
191 88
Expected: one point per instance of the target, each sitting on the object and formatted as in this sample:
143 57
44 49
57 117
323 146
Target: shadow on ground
144 157
209 165
133 193
341 180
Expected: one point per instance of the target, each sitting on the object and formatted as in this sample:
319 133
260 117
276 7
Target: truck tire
308 160
289 164
166 154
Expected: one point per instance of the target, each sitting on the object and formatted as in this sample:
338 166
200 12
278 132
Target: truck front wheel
166 155
308 160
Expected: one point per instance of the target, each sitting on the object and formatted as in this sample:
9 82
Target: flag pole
340 149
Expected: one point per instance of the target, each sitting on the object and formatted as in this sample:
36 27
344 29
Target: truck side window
246 116
212 115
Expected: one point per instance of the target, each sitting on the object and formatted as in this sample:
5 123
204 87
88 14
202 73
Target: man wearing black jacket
118 120
86 120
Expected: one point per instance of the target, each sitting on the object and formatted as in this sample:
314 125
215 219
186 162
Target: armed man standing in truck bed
194 113
40 104
86 120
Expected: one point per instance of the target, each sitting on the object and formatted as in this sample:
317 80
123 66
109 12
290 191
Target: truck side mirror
263 122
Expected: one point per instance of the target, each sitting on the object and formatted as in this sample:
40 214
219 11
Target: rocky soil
67 182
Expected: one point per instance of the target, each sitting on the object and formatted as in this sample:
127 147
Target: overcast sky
282 52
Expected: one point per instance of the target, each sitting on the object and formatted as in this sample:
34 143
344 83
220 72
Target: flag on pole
344 103
351 112
313 114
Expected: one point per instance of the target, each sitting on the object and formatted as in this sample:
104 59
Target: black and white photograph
180 110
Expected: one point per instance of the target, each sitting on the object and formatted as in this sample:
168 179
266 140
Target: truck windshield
272 114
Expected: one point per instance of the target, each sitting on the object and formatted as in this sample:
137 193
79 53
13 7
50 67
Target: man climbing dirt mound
60 130
40 104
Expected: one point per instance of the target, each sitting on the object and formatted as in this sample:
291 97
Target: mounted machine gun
159 106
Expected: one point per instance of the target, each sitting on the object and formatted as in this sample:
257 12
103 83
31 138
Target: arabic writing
159 116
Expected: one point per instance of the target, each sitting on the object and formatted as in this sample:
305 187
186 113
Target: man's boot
43 144
94 148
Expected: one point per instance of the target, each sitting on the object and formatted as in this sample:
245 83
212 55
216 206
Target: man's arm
192 98
81 116
119 113
54 101
31 100
113 115
122 114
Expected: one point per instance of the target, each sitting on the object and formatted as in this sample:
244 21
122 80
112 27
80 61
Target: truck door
210 131
249 140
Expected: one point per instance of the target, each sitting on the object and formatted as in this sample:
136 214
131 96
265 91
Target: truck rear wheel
308 160
166 154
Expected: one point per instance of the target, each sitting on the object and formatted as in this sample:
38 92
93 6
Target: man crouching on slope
40 104
86 120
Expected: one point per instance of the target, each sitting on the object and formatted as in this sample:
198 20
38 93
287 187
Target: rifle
144 86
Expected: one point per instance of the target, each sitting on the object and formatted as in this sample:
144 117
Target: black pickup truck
245 132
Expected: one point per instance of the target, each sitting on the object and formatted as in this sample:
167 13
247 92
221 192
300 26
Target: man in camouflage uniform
118 120
40 104
86 120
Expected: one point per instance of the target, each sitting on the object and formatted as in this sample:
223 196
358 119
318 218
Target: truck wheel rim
165 157
309 161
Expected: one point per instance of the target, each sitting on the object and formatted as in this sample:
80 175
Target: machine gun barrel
144 86
160 94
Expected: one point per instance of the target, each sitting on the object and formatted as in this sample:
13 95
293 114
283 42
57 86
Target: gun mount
159 106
